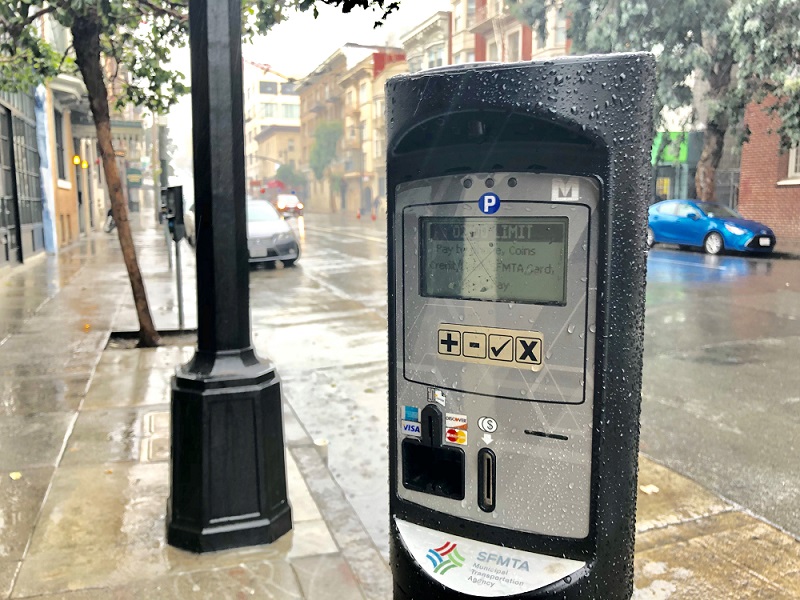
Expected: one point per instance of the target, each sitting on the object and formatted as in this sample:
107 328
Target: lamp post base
228 470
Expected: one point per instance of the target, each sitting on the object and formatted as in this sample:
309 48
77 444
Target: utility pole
228 472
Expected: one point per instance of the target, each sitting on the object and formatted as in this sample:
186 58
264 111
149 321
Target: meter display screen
512 259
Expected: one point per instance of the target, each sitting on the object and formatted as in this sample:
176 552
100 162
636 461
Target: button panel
491 346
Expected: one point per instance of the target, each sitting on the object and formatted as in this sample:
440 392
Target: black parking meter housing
575 135
172 205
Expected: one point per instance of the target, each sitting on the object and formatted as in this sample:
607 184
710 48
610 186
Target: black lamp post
228 473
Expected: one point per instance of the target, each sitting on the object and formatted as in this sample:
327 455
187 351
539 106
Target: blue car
706 225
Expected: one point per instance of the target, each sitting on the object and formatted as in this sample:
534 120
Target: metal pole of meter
179 281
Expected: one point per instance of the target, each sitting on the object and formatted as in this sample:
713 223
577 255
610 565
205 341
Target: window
350 97
491 51
268 110
470 56
663 185
470 12
668 208
289 89
794 163
435 57
684 210
60 162
513 47
380 144
290 111
290 145
414 64
268 87
457 9
362 92
561 27
538 41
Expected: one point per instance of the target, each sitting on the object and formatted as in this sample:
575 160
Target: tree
138 35
326 137
714 57
289 175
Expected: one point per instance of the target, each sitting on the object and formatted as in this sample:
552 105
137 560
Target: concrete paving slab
132 388
20 502
123 361
8 569
32 440
24 396
326 578
262 579
109 436
704 559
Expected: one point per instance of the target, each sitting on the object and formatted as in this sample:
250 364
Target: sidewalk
84 473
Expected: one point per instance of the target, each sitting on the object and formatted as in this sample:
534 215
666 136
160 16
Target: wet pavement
84 431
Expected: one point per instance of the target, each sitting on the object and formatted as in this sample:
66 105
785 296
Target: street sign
134 177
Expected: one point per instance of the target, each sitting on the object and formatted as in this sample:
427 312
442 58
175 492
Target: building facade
462 40
428 45
500 37
21 197
281 142
769 187
270 100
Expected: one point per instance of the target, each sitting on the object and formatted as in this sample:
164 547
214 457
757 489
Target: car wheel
289 263
713 243
651 238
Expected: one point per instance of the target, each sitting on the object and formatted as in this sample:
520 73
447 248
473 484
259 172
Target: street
721 382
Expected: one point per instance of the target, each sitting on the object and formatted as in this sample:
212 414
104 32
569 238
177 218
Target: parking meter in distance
172 205
517 201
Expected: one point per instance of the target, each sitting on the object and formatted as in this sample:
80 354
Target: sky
294 48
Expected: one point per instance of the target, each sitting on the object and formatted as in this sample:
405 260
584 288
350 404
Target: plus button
449 342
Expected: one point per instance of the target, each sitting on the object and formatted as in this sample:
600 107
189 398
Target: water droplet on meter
571 329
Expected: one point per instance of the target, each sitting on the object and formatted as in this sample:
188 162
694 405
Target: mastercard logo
456 436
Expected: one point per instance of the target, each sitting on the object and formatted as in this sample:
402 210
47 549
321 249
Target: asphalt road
721 395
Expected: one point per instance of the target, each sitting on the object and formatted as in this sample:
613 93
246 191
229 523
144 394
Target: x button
528 351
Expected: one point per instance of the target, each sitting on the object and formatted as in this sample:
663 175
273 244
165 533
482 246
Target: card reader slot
487 480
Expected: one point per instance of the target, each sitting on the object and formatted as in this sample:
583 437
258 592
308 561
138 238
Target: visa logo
411 428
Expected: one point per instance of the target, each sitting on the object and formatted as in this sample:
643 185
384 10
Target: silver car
269 237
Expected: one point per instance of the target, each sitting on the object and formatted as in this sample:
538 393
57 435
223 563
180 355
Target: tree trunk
705 176
86 41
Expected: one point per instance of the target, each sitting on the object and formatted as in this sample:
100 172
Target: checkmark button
501 348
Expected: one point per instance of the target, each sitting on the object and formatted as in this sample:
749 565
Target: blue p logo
489 203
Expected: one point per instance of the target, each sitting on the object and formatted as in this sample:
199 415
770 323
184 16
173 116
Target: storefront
21 229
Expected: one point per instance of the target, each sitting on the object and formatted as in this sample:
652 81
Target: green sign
670 147
134 177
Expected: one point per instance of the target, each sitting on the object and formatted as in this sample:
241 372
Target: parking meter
172 206
517 198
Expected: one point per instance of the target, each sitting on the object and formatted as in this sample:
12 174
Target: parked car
707 225
289 204
269 237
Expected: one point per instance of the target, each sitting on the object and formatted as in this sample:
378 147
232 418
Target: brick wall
763 166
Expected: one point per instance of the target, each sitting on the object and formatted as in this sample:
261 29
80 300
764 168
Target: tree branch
41 13
169 12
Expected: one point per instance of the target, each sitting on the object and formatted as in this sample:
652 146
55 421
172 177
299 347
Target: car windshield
717 211
261 211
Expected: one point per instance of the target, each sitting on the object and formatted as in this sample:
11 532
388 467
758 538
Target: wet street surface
721 394
721 378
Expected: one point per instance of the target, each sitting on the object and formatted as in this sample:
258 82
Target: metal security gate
10 251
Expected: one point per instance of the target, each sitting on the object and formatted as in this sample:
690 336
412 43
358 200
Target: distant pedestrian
110 223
